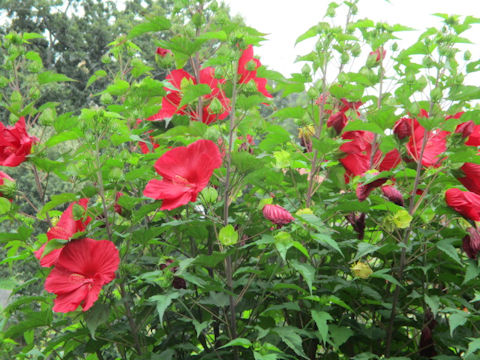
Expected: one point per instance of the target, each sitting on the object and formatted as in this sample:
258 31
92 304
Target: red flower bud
163 52
277 214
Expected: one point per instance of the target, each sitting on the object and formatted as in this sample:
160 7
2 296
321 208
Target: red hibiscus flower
7 186
474 136
358 154
185 171
471 180
65 228
277 214
247 69
83 267
15 143
179 79
436 144
465 202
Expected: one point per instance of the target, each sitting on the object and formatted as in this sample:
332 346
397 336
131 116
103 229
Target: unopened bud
361 270
215 106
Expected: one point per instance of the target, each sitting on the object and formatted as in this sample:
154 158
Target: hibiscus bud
344 58
78 212
392 194
467 55
277 214
312 93
362 270
162 52
8 186
209 195
219 73
251 65
106 99
306 70
116 206
106 59
3 81
215 106
116 173
356 50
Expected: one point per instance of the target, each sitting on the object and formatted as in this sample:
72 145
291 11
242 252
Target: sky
284 20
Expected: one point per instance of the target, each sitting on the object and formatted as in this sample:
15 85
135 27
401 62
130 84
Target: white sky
285 20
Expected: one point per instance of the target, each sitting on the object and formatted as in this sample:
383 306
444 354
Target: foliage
336 244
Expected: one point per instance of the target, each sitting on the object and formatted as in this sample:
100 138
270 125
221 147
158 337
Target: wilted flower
177 282
471 243
392 194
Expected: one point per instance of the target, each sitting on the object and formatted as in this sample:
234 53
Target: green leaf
163 302
214 35
306 270
118 88
276 137
5 205
52 245
361 125
64 136
456 319
307 34
473 346
326 240
364 248
30 36
290 337
56 200
381 274
96 316
433 303
238 342
339 334
49 77
228 235
193 92
157 23
296 112
321 318
471 273
446 246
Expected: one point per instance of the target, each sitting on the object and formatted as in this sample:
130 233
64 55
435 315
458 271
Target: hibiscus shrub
191 224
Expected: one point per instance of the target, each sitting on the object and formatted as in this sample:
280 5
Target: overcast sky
285 20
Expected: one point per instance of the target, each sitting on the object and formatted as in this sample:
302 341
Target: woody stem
228 165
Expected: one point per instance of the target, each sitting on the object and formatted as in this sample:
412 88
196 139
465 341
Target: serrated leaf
193 92
64 136
473 346
307 34
50 76
157 23
306 270
446 246
163 302
321 318
96 316
456 319
339 334
326 240
292 339
53 245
